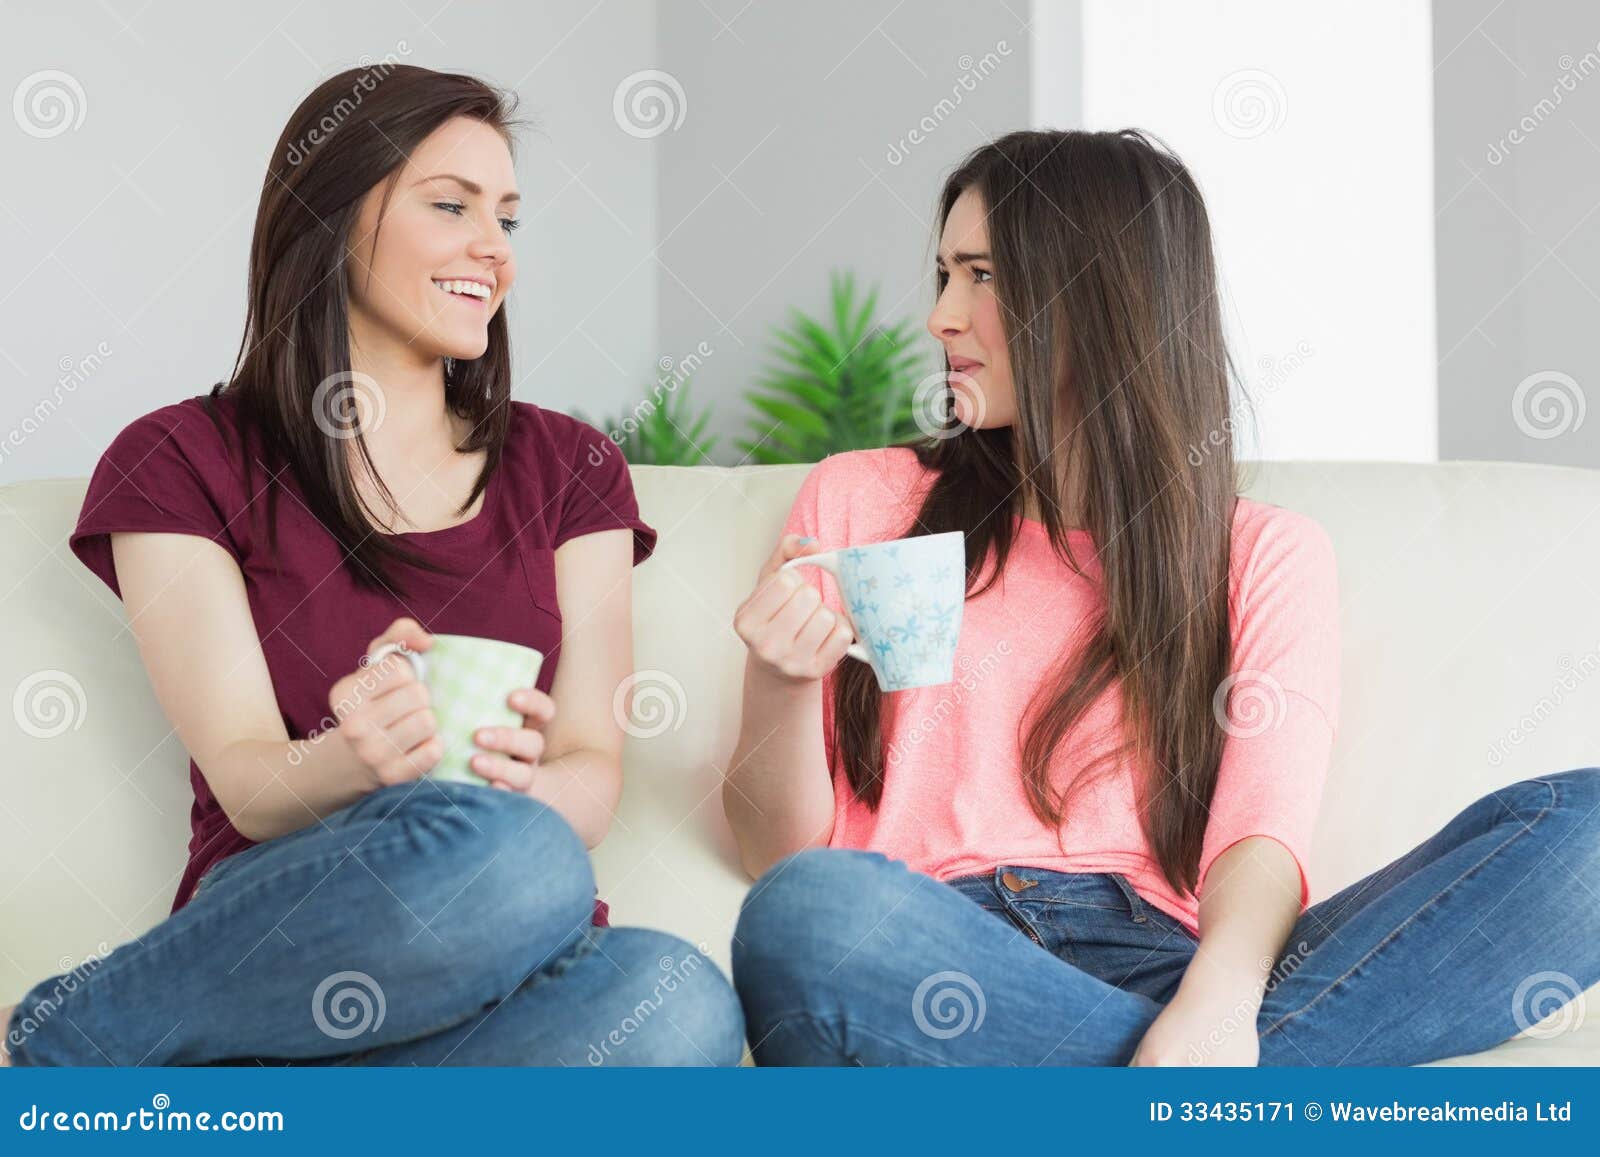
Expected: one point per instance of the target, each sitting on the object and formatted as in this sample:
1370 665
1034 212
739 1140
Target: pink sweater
953 803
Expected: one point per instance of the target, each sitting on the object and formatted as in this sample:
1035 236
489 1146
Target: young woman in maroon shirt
363 478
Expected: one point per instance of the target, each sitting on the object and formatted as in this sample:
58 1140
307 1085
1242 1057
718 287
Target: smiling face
966 319
428 276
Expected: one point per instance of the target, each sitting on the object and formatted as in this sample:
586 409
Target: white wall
1309 130
126 238
816 138
128 234
1517 156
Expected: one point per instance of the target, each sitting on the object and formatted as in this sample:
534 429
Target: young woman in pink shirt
1091 847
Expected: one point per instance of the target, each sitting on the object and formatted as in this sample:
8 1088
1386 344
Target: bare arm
580 772
778 792
1249 901
187 607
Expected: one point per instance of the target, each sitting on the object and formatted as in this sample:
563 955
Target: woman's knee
668 1005
502 876
1577 793
808 915
519 845
1578 788
805 890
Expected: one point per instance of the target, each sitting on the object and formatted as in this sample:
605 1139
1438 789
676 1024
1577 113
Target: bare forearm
583 786
777 792
270 788
1249 902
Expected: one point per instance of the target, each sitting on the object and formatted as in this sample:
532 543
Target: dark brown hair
353 132
1107 288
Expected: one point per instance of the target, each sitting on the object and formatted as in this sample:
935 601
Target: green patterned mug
468 680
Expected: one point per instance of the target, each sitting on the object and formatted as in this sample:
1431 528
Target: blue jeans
428 923
846 957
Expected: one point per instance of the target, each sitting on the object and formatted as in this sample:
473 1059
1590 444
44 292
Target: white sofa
1471 623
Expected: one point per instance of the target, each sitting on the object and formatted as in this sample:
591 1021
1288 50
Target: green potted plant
846 383
661 430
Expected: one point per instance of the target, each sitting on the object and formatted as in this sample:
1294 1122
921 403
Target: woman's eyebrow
963 258
471 186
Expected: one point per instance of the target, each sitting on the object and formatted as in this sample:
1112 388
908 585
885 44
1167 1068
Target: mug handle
828 560
418 663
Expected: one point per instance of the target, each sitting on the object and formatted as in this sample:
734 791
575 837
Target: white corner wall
1310 132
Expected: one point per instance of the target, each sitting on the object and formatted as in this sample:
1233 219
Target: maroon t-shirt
173 471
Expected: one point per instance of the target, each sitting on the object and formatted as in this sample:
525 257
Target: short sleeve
808 520
804 515
597 493
165 472
1281 708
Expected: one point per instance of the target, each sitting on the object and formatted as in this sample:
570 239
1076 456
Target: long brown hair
292 378
1107 288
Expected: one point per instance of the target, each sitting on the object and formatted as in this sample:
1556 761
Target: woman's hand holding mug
902 598
790 634
444 716
384 712
517 766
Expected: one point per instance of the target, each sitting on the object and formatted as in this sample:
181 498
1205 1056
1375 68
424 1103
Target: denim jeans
847 957
428 923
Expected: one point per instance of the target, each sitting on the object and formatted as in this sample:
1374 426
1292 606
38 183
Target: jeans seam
582 945
1012 909
144 942
1076 904
343 855
1525 829
532 980
288 839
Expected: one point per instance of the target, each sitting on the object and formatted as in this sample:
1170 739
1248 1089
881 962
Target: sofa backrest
1470 611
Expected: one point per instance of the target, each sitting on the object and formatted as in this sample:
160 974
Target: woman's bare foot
5 1025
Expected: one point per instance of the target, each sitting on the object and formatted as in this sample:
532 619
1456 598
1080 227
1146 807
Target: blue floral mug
903 599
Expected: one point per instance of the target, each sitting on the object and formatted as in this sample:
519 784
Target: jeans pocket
1141 911
1138 910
